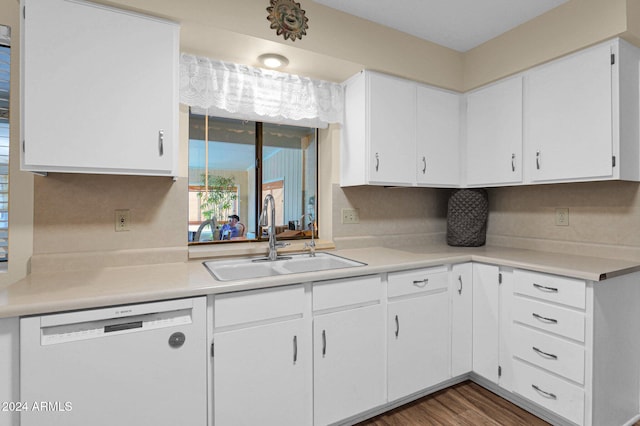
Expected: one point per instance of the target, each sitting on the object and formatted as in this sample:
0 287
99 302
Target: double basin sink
246 268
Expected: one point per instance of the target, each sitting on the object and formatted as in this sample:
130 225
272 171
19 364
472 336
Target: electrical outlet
562 217
122 220
350 216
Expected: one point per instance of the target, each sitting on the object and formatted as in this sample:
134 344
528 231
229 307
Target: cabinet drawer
416 281
350 291
552 393
258 305
567 291
554 319
552 353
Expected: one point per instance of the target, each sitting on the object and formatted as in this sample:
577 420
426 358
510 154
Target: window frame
259 144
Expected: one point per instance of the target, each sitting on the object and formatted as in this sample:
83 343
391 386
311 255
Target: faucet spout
270 206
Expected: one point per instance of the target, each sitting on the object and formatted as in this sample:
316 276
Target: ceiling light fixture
272 60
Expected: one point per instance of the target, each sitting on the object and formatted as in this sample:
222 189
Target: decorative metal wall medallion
288 19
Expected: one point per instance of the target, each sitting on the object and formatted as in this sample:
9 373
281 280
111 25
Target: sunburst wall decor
288 19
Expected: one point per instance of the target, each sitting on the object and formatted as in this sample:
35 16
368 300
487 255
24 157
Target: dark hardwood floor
465 404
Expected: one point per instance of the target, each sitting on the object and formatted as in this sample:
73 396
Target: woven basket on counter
467 218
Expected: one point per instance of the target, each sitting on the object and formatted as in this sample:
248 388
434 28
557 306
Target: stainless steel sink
239 269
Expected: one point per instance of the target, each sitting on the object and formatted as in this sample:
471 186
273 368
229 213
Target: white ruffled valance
243 92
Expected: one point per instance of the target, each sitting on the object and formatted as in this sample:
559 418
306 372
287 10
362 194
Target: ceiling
458 24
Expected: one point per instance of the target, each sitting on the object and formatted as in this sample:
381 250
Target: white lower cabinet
262 358
461 290
349 349
572 350
491 324
417 330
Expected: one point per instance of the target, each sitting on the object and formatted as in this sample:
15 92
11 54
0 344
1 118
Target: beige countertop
61 291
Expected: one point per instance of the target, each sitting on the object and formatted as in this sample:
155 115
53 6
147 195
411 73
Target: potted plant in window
218 196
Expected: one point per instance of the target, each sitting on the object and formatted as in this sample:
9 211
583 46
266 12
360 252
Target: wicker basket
467 218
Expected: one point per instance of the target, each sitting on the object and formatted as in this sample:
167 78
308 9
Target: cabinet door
349 363
418 344
392 130
437 137
462 319
260 376
486 321
569 117
494 134
99 89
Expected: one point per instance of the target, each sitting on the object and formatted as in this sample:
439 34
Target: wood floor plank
464 404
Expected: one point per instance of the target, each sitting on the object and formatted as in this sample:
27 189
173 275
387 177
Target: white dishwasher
125 365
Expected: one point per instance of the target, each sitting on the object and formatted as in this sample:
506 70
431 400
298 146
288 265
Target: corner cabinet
437 137
99 90
581 116
494 134
491 324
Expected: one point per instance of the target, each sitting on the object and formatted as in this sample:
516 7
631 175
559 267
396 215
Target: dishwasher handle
122 326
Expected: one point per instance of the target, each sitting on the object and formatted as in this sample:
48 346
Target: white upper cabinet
378 145
99 90
572 119
437 137
494 134
581 116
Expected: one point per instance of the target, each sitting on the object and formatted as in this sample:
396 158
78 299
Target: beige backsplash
74 219
74 215
390 217
604 217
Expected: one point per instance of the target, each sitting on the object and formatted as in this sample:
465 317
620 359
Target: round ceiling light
273 61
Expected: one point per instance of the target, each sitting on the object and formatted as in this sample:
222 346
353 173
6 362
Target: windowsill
203 251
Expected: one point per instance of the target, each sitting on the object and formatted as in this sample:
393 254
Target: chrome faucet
273 243
312 245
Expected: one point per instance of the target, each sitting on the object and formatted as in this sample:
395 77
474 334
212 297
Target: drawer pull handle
545 288
460 287
424 165
543 393
377 161
421 283
545 319
544 354
295 349
513 162
397 326
324 343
